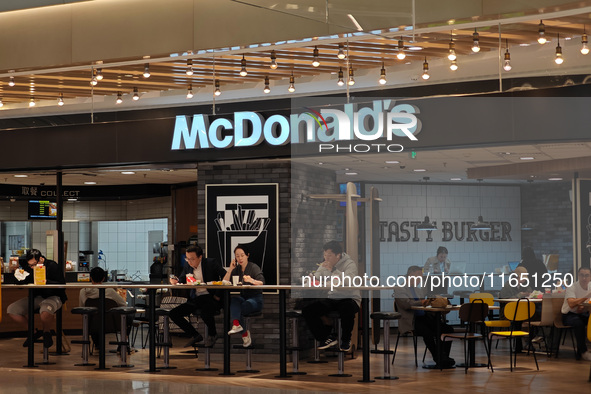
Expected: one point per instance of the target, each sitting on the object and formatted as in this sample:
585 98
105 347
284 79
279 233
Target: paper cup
235 280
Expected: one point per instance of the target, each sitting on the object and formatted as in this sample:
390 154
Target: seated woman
250 300
521 290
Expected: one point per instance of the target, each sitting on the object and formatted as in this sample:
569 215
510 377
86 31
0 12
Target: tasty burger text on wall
448 231
328 127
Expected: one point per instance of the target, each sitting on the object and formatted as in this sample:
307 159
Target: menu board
39 209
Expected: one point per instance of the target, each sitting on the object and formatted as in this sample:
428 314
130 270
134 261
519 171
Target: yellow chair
488 299
518 311
589 338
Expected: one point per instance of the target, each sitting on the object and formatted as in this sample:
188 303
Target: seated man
574 314
423 323
346 302
203 270
48 301
522 290
98 276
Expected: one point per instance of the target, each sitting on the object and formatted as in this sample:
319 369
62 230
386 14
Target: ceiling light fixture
401 55
136 94
452 50
267 89
1 103
147 70
60 100
90 183
32 102
189 70
341 55
340 82
475 41
426 224
99 74
119 99
273 61
507 60
555 179
217 91
190 92
454 65
21 176
127 172
584 42
480 223
527 226
315 60
11 82
558 59
93 81
291 88
351 80
243 72
382 79
541 33
426 70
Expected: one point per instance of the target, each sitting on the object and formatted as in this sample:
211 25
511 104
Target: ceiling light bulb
426 75
273 61
99 74
119 99
558 59
136 95
315 61
190 92
267 89
351 80
217 91
584 42
93 81
243 71
340 82
475 42
1 103
454 65
60 100
32 102
382 80
541 33
452 51
291 88
189 71
341 55
401 55
11 82
507 61
147 71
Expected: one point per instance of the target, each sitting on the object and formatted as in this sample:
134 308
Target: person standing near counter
48 301
249 301
203 270
574 314
433 264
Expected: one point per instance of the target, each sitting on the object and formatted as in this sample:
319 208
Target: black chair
207 359
86 312
386 317
472 313
295 348
164 340
248 348
123 344
112 321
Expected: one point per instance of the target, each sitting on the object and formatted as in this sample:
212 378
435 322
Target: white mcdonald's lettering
251 129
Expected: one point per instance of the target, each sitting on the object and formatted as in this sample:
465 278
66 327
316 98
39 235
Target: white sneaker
247 341
235 329
586 356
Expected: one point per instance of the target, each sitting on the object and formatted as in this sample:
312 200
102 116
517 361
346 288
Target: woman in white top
433 264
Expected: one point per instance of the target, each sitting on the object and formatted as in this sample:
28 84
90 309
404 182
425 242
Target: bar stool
386 317
249 348
85 342
45 352
123 344
341 363
207 361
166 344
295 343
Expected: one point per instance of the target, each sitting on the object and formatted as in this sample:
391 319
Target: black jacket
53 276
212 271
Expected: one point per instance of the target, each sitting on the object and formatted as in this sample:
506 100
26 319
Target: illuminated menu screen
39 209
